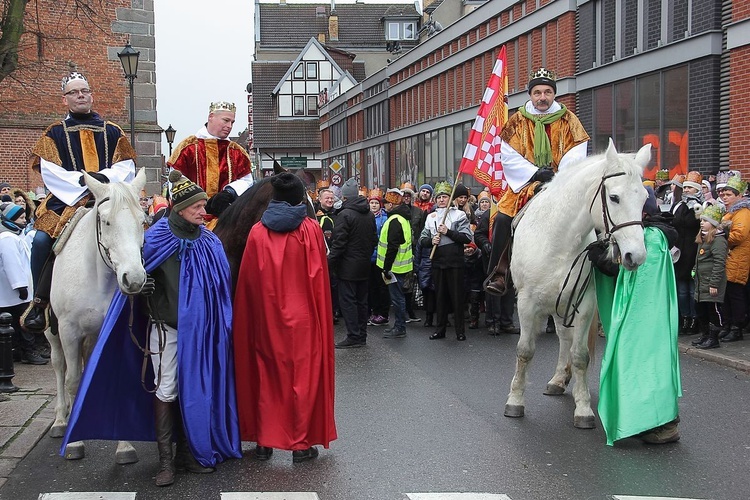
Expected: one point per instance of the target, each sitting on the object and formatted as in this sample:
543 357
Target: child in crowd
710 276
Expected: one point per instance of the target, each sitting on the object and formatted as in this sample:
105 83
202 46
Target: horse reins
582 283
105 255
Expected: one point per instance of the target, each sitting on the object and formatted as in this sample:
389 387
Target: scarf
542 146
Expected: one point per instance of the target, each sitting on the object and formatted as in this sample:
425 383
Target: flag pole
445 214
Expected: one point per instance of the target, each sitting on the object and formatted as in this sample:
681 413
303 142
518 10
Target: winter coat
423 265
353 240
738 260
710 269
450 252
380 218
687 226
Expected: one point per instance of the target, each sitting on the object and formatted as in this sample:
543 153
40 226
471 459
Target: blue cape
111 404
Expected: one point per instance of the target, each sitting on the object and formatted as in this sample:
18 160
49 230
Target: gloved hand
149 286
23 292
219 202
96 175
487 249
599 256
387 275
543 175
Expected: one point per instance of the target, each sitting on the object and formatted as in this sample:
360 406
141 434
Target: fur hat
443 188
394 196
184 191
694 180
542 76
713 214
460 190
288 187
350 189
427 187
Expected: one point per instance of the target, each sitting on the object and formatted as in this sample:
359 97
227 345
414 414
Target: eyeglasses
76 92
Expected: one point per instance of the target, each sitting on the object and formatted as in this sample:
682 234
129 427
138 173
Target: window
312 71
299 105
299 72
312 105
401 30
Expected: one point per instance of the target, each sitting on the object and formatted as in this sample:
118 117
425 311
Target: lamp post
129 60
170 132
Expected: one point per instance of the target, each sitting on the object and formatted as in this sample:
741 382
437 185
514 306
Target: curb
715 356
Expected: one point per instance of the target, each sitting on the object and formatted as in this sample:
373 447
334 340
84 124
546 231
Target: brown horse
235 223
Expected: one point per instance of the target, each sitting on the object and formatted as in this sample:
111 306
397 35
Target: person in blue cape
188 291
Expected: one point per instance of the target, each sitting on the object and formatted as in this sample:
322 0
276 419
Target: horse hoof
588 422
57 430
514 411
74 451
126 457
554 390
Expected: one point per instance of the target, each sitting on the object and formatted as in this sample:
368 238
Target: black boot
724 332
164 422
184 459
473 310
35 319
735 334
712 342
428 319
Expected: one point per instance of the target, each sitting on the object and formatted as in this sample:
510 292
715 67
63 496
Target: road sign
294 162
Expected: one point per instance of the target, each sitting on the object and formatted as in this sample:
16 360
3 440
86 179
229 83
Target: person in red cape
283 330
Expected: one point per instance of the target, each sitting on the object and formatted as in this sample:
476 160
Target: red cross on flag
482 154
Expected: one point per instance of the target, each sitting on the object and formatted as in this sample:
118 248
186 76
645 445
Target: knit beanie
11 211
427 187
350 188
460 190
184 191
289 188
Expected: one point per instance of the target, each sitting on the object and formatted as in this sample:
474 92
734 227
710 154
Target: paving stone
6 433
17 412
7 465
24 442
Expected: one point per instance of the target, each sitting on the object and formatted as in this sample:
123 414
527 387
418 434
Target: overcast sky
204 55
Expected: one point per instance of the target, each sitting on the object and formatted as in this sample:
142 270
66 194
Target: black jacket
353 240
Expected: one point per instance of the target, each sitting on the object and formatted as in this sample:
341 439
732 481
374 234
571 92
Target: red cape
283 339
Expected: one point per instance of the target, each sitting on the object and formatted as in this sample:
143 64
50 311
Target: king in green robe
640 377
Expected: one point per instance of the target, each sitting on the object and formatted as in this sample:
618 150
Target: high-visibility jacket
404 261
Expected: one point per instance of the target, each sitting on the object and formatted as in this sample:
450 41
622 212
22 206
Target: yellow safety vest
404 258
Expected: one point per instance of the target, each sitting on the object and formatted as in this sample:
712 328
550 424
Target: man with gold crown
219 166
82 141
537 141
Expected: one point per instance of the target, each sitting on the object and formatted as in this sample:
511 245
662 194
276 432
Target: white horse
102 252
603 192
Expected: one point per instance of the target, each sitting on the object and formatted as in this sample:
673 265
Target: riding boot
36 317
712 342
497 282
164 421
184 459
473 310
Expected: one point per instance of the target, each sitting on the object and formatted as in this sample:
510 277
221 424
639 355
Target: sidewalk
29 413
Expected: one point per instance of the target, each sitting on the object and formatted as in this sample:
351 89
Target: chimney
333 23
282 2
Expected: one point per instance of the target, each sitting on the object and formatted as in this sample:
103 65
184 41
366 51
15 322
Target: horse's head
119 229
618 208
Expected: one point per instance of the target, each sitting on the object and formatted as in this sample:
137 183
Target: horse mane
121 195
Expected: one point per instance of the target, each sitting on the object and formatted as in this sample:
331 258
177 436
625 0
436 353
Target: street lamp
170 132
129 60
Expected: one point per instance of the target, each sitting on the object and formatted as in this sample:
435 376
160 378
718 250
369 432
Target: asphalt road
416 415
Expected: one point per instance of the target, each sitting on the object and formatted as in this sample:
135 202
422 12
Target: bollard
6 354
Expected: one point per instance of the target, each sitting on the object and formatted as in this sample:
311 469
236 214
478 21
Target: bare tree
12 29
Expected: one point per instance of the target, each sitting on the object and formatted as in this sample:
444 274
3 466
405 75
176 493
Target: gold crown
543 73
222 106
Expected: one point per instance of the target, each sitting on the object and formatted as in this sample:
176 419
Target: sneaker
392 333
412 320
378 321
510 329
33 358
348 343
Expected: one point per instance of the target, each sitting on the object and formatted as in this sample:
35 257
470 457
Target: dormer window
401 30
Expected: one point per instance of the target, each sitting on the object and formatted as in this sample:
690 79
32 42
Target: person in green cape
639 384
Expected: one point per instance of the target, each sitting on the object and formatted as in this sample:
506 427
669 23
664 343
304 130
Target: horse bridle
579 288
606 218
146 350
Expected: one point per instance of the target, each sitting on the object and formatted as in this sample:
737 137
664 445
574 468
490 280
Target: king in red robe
283 330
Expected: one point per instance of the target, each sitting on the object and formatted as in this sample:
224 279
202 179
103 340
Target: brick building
63 37
641 71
